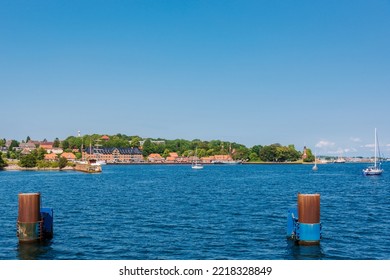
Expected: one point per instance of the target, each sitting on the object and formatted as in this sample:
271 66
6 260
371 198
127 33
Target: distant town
123 149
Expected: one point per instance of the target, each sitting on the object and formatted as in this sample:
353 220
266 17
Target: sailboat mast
375 149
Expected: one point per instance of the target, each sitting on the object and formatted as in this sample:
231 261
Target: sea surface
164 212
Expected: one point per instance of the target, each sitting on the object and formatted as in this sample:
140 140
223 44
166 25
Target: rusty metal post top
309 208
29 207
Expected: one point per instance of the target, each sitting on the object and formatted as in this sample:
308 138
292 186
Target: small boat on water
196 164
315 167
88 166
339 160
376 168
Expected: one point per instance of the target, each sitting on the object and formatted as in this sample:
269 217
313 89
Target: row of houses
114 155
55 157
28 147
174 158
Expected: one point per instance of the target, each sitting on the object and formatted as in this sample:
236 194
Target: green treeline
258 153
36 159
271 153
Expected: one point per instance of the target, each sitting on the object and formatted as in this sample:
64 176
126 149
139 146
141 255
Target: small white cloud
369 146
338 151
324 144
355 139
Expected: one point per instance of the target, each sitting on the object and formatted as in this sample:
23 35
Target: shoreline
14 167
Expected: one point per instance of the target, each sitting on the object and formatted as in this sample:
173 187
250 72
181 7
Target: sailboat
196 164
315 167
375 169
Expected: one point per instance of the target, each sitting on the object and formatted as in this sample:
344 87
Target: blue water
220 212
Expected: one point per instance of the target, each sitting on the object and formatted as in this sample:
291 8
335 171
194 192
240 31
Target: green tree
165 153
62 162
254 157
293 154
268 153
65 144
210 152
56 143
310 156
201 153
241 153
147 148
74 142
2 162
29 160
39 153
13 145
256 149
28 139
135 141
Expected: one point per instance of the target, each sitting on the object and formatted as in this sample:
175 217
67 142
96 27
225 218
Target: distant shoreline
14 167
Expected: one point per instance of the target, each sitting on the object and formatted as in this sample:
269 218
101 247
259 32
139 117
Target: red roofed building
46 145
172 157
155 158
105 138
51 157
69 156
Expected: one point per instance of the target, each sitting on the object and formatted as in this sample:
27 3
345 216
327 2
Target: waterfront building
51 157
26 148
113 155
217 158
172 157
69 156
155 158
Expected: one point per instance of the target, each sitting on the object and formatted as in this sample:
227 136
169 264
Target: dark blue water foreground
220 212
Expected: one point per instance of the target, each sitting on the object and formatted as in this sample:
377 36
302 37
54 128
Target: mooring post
29 225
303 222
34 223
309 224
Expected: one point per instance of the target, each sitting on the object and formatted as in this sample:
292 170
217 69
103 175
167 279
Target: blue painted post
303 223
292 219
309 226
47 228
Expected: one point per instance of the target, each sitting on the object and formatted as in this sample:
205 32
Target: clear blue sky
314 73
